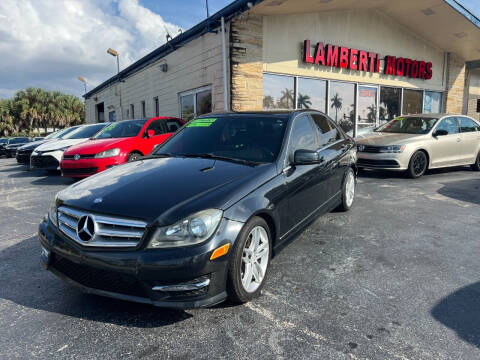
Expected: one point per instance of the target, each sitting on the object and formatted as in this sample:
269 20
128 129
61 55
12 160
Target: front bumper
133 274
82 168
387 161
46 161
23 157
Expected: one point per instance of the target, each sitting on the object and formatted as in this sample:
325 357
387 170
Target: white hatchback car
415 143
49 155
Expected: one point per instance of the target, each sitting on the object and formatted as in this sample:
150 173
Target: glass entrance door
367 113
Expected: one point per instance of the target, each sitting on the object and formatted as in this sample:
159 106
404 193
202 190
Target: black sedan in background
13 144
3 143
198 221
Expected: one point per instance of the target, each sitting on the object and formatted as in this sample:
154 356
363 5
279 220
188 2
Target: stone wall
455 94
246 54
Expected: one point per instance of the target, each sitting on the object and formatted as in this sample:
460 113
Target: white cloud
49 43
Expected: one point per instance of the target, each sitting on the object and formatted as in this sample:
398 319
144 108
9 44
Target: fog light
45 255
196 284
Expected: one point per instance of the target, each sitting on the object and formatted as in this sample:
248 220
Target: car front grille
368 148
79 171
105 231
98 278
23 156
72 157
47 161
378 163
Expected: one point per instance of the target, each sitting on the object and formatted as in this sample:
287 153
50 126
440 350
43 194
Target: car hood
165 190
386 139
96 146
33 145
59 144
14 146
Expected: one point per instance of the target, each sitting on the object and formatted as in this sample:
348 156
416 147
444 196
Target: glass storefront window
432 101
195 103
187 108
367 106
204 102
278 92
312 94
390 99
342 104
412 101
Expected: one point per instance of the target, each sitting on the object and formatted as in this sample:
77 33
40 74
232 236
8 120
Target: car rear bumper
141 275
82 168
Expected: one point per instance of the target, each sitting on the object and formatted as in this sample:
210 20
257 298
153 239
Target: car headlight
392 149
52 212
108 153
192 230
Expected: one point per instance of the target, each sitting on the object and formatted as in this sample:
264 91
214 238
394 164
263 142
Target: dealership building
361 62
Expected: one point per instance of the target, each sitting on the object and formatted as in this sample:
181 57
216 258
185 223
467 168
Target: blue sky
48 43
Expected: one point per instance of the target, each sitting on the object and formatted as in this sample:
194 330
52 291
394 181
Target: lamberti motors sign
361 60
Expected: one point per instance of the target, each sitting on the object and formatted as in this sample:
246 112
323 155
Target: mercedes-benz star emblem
76 157
86 228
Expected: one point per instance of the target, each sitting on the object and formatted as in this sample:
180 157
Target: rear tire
348 191
133 156
476 166
418 165
250 259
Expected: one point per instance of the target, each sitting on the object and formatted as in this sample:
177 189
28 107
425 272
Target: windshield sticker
205 122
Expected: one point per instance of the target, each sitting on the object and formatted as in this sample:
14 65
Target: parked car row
197 220
81 151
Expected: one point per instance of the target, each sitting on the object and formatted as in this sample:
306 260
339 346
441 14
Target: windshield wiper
219 157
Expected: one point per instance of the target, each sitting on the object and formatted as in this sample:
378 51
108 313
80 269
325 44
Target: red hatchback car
116 144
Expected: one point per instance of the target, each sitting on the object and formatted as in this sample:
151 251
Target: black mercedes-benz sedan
198 221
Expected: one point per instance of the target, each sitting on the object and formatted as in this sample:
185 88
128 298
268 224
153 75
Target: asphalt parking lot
398 277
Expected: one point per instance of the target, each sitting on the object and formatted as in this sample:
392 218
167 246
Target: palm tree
372 113
336 104
303 101
286 100
268 102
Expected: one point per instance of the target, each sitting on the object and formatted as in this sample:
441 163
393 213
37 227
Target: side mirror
306 157
150 133
440 132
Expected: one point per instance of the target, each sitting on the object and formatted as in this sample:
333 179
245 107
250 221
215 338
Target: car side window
467 125
172 125
326 132
156 126
449 124
302 136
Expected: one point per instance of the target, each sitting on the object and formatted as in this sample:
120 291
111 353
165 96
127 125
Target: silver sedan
416 143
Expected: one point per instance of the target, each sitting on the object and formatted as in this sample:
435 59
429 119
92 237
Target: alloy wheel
350 188
254 259
419 163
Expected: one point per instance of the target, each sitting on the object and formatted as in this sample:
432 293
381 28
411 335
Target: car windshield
122 129
3 141
408 125
63 133
85 132
255 139
18 140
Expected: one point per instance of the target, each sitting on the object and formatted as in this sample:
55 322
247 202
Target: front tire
133 156
348 191
418 165
476 165
248 266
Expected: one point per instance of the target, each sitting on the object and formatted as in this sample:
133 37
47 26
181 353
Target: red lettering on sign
390 68
362 61
320 54
343 57
332 55
414 73
428 71
353 59
421 70
377 68
408 62
400 66
306 52
372 56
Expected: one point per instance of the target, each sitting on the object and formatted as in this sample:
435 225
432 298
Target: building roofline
178 41
456 5
213 22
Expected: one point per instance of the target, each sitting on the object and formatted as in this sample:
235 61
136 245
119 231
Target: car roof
273 113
